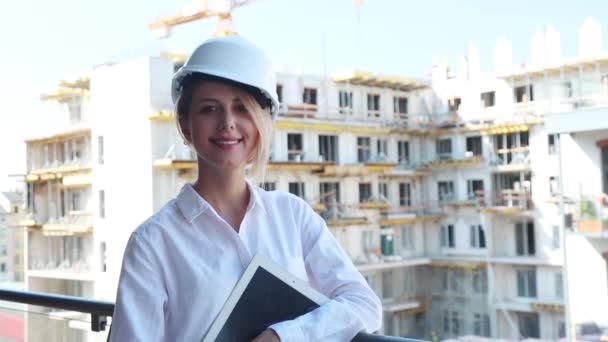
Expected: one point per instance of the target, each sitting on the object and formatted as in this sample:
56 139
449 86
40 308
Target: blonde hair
262 120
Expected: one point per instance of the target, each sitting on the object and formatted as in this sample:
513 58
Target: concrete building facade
12 248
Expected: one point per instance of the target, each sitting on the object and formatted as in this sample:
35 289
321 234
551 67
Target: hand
267 335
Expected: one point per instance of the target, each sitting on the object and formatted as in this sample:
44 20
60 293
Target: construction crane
200 9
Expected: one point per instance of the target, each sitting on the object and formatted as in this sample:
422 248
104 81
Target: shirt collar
256 198
192 204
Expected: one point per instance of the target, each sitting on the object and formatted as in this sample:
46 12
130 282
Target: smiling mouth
226 142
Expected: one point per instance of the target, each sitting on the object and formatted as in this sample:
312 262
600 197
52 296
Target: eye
208 109
240 108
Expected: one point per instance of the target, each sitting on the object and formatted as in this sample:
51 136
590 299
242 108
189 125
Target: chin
229 165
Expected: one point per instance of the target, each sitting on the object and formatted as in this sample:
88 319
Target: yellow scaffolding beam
176 164
374 205
80 83
66 229
457 162
297 166
28 223
380 167
547 307
62 136
162 115
343 171
406 220
364 78
64 94
77 180
350 221
502 210
458 264
176 57
333 127
420 309
503 129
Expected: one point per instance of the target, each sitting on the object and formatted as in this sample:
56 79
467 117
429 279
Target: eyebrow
209 99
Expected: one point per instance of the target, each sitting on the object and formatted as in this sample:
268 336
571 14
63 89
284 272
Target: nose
227 121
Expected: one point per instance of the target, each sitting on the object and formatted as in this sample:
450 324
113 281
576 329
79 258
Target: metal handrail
100 310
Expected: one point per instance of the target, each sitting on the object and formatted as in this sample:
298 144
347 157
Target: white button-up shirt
181 265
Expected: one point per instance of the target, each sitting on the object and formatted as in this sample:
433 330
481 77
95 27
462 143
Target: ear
185 128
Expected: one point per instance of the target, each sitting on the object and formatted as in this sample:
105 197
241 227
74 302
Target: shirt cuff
288 331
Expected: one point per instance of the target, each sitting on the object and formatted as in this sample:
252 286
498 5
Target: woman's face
219 127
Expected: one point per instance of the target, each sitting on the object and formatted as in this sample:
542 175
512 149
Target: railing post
98 323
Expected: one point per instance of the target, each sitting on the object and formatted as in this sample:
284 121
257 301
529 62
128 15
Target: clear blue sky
44 41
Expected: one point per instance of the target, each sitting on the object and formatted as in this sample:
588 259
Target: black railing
101 310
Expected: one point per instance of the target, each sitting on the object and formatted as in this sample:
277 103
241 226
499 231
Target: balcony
61 257
300 111
590 214
458 263
560 104
364 121
505 202
441 123
76 223
400 215
391 254
533 107
300 160
511 159
330 170
532 304
65 269
177 158
342 215
374 204
69 88
380 164
374 262
511 259
356 120
331 120
407 304
451 199
408 169
455 160
594 99
364 78
59 263
80 168
65 94
31 221
578 118
73 97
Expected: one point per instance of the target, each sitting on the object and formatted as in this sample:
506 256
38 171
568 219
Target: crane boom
198 10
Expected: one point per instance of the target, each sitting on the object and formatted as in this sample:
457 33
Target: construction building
12 263
12 267
444 192
580 134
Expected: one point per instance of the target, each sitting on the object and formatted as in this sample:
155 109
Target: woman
181 264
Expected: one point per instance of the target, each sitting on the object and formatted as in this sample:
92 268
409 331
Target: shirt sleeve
139 311
353 307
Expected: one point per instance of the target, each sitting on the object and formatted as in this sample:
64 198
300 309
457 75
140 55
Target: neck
226 191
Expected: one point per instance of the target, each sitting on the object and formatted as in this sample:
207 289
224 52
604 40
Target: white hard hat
235 59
